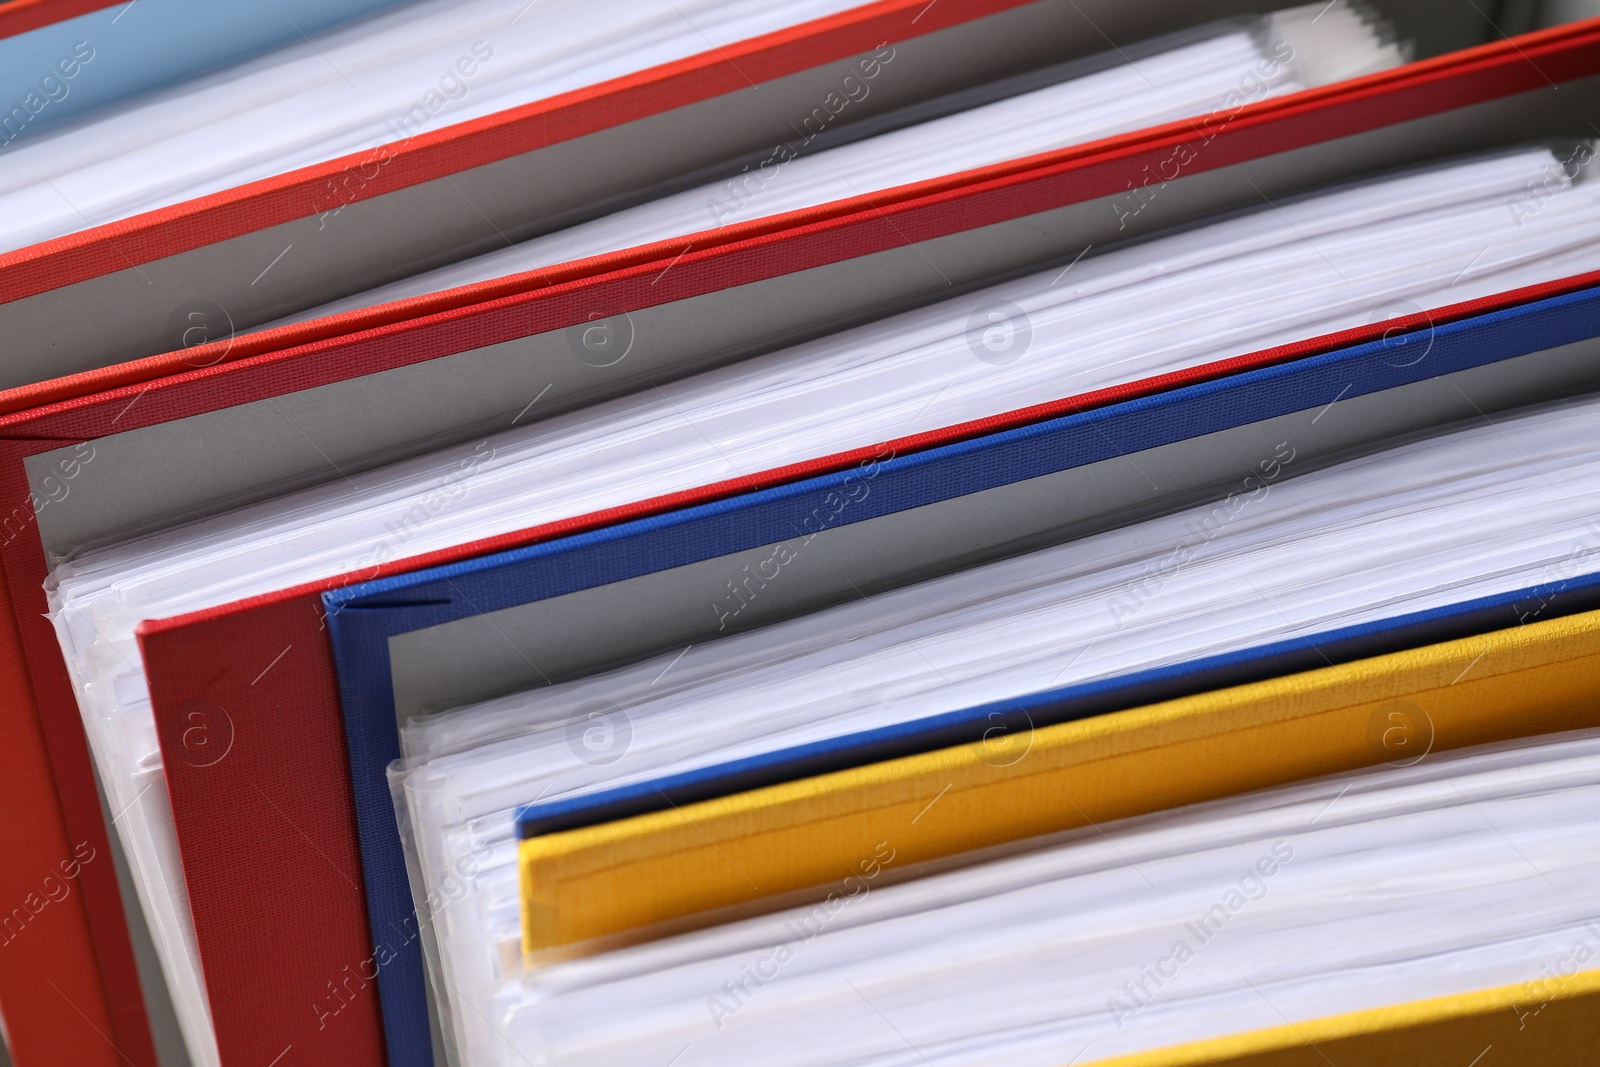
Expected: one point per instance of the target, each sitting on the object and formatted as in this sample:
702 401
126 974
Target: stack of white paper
1489 509
1466 872
385 79
1284 54
1289 271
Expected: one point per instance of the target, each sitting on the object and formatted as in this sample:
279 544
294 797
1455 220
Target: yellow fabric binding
1551 1022
809 834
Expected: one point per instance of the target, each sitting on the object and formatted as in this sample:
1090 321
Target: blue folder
1499 359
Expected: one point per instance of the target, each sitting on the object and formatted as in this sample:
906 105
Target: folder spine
67 973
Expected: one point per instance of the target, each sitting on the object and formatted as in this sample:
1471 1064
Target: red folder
69 988
276 906
369 217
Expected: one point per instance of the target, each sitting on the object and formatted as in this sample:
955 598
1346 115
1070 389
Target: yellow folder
1551 1022
777 846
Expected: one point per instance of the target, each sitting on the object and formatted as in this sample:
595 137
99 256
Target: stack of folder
987 531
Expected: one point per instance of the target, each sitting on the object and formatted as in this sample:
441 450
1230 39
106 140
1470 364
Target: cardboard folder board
239 427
